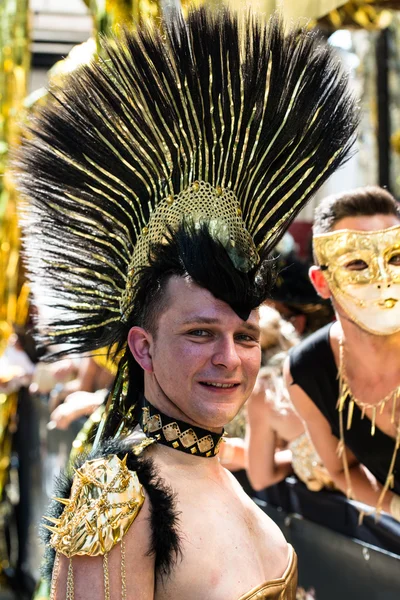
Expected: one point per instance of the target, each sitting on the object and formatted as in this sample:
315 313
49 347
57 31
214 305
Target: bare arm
365 488
89 580
265 466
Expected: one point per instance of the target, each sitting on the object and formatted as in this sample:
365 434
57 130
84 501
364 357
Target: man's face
205 358
362 260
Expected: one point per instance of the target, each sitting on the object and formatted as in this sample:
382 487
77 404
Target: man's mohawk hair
223 120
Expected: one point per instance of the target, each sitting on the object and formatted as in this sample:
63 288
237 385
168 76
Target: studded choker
178 434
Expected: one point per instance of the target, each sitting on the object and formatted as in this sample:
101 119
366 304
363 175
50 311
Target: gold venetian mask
363 271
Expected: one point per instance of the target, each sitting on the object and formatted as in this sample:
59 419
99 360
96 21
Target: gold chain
54 578
123 571
345 394
106 577
70 581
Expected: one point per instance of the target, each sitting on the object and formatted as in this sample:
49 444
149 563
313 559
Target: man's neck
161 402
363 350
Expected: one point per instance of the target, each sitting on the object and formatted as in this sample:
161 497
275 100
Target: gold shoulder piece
105 500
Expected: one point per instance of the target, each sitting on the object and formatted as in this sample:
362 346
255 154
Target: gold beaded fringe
345 394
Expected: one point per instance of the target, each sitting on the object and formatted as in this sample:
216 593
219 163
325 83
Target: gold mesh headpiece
200 204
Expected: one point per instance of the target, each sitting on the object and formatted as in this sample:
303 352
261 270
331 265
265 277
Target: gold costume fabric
283 588
307 464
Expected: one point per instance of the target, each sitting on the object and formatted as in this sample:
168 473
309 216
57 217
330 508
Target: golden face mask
362 269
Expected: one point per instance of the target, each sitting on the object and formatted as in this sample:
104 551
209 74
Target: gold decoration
223 218
337 249
360 14
277 589
307 464
14 71
105 500
177 438
347 396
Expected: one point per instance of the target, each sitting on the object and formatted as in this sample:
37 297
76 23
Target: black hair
192 252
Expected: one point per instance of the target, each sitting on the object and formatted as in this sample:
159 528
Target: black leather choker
178 434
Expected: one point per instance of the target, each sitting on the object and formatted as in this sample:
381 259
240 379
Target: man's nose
226 354
385 278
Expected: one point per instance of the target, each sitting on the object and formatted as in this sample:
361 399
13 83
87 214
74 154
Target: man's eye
356 265
247 338
395 260
199 332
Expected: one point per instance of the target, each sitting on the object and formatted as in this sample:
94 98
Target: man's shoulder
98 500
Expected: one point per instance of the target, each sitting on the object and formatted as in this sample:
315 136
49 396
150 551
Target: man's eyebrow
211 321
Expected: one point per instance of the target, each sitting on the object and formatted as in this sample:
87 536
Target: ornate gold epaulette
105 500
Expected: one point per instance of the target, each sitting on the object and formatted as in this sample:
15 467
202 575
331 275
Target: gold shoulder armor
105 500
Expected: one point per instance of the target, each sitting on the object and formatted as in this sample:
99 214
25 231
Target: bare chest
229 546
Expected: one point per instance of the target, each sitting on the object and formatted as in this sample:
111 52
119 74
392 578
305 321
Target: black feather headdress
227 124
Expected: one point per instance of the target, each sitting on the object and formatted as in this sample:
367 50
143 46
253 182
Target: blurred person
344 380
19 447
276 442
294 296
143 188
80 396
275 335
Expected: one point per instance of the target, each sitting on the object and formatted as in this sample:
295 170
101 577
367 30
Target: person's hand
75 405
231 453
64 369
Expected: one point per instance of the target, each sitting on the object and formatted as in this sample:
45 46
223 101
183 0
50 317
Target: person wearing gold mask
345 379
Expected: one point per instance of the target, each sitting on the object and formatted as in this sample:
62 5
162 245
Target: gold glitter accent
145 231
170 200
175 444
307 464
105 499
193 450
218 191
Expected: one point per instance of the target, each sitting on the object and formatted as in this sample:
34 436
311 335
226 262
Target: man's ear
140 342
319 282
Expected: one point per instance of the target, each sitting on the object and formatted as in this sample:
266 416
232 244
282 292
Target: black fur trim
165 542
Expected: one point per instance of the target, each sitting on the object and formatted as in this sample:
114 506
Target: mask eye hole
395 260
357 265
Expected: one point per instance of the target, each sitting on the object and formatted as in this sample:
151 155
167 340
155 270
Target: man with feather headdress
157 187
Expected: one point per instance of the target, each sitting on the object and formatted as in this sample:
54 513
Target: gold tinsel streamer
14 69
360 14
